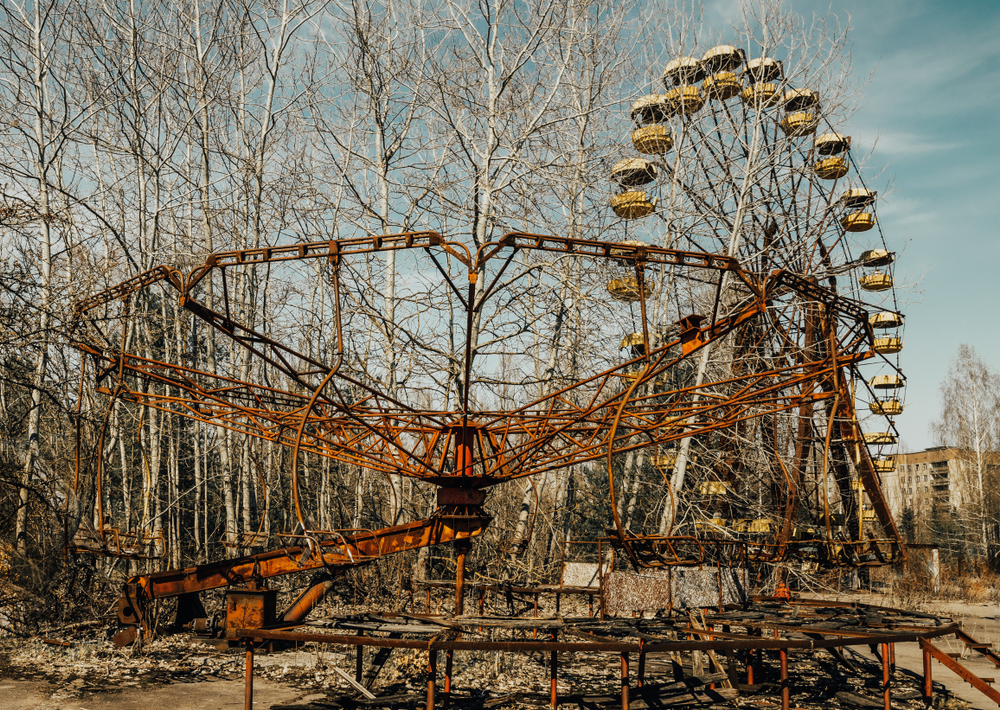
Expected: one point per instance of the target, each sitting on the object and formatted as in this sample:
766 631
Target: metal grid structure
466 450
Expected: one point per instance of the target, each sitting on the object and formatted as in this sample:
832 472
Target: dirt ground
197 695
981 621
181 675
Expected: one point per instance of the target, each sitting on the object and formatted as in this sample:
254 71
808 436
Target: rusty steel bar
136 283
967 675
624 658
248 687
432 663
483 588
598 249
306 601
463 548
576 646
534 632
448 661
980 648
785 690
355 549
928 681
886 699
324 249
553 679
867 474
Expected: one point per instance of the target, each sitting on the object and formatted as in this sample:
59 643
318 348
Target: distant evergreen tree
908 525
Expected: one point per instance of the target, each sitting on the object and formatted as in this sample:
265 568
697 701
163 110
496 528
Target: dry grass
978 588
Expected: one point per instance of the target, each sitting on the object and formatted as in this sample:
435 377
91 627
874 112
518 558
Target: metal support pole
248 693
553 679
928 681
886 700
642 667
448 660
624 680
785 692
359 661
462 547
432 666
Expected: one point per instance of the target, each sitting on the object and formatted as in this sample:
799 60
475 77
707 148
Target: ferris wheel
737 158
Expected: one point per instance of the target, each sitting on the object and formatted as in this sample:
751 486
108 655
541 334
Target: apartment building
923 478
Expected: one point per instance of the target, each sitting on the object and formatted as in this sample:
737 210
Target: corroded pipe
308 599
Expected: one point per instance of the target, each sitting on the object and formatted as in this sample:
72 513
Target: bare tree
970 423
35 38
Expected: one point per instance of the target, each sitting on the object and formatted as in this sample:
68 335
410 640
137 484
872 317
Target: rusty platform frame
763 623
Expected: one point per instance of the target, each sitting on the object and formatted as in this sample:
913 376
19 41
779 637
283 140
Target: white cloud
895 143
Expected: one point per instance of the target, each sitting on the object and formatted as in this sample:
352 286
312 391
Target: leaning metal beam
346 550
867 474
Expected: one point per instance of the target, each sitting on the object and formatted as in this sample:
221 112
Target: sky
931 114
931 109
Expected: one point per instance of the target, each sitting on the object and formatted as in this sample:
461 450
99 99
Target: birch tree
970 423
40 100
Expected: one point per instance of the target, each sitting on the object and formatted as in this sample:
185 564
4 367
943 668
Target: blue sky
932 110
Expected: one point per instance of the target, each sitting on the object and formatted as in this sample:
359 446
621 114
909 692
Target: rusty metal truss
314 404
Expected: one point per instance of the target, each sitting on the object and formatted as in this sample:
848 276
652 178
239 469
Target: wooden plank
434 620
857 700
377 664
355 684
711 654
839 656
